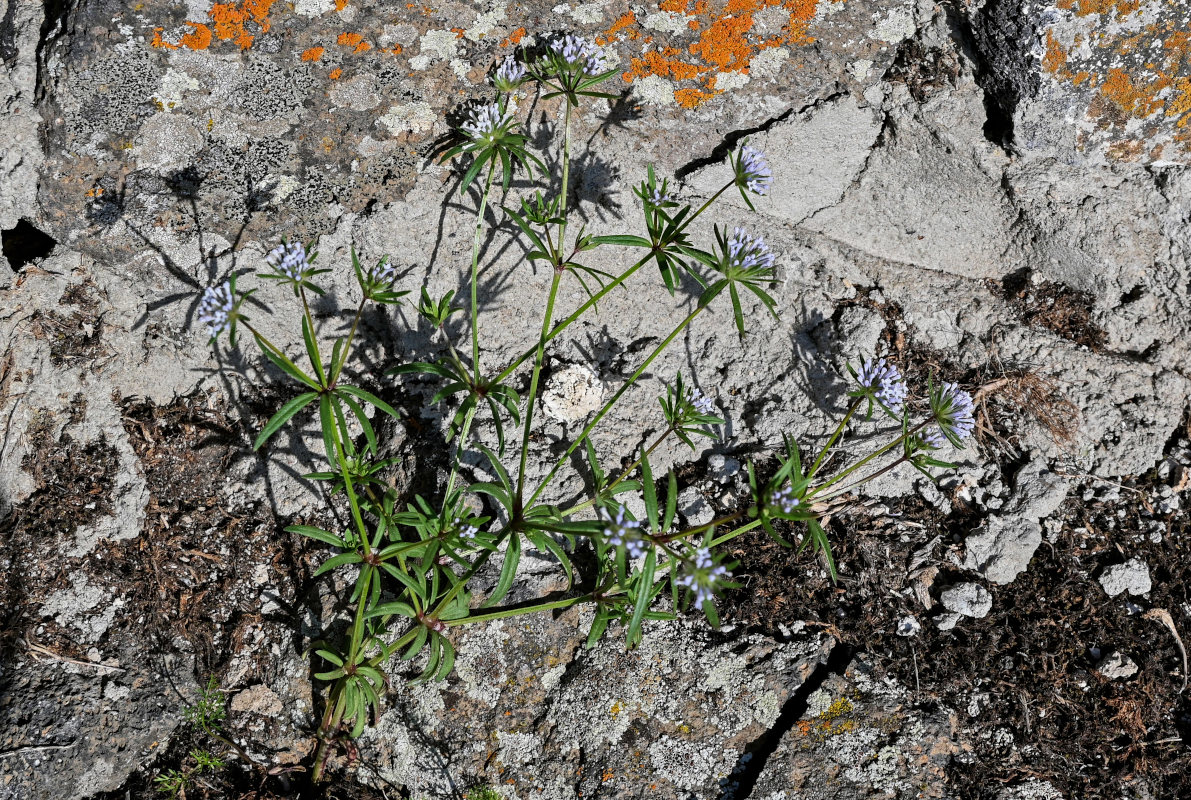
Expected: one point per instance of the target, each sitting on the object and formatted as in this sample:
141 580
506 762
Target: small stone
722 467
908 626
1117 666
967 599
1133 577
259 699
947 621
694 507
572 393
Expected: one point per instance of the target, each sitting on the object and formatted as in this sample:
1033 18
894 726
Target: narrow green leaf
283 416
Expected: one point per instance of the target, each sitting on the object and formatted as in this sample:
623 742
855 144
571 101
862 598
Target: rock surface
997 189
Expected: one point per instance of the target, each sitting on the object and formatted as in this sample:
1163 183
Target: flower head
289 260
508 75
658 196
784 500
575 52
468 532
383 273
702 404
748 252
752 170
953 411
623 532
216 307
886 382
486 122
701 576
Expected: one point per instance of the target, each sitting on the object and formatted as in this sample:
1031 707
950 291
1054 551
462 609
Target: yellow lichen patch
726 41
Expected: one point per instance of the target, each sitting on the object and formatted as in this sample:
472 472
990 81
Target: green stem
603 292
620 478
533 384
475 270
876 454
517 612
566 172
615 398
463 431
838 430
591 301
351 335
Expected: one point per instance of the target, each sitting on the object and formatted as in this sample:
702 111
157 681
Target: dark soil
1060 309
1032 658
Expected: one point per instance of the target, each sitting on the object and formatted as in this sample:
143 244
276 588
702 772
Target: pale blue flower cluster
702 577
754 170
702 405
624 532
215 308
383 273
748 252
289 260
577 51
484 121
953 410
932 437
886 382
468 533
784 500
657 196
508 75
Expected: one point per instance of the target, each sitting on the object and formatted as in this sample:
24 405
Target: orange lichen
335 74
340 5
458 32
514 38
1056 56
692 98
229 22
312 54
1084 8
354 41
726 42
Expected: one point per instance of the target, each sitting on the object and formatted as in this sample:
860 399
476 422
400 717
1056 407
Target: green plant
205 715
411 559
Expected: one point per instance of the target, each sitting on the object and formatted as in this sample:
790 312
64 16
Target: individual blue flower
702 404
468 533
624 532
886 383
657 196
486 122
215 308
579 52
748 252
508 75
930 438
953 411
701 576
784 501
752 170
289 260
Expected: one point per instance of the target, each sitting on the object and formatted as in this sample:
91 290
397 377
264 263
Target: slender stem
533 383
591 301
883 470
475 270
838 430
612 402
603 292
686 223
351 335
352 500
620 478
730 535
876 454
566 173
517 612
463 431
264 340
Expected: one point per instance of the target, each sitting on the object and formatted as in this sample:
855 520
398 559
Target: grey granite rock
1133 577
